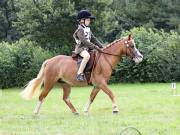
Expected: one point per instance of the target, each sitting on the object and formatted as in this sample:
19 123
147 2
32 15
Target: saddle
89 65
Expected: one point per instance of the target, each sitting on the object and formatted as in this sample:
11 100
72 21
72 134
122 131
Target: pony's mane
115 41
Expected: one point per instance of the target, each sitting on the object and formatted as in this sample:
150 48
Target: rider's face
87 21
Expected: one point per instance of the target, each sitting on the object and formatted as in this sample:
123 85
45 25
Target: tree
7 16
160 14
105 22
48 22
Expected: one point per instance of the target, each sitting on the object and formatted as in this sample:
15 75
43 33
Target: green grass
151 108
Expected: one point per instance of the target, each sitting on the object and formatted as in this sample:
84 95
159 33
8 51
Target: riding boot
81 77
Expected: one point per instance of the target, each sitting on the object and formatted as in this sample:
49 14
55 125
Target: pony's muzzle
138 58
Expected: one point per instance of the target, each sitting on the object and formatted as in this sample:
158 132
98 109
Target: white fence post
173 87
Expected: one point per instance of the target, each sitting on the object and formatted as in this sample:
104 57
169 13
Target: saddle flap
89 65
74 55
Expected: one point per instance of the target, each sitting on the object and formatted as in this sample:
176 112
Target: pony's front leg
91 99
108 91
66 98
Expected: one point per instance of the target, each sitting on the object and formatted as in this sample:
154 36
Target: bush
161 62
20 62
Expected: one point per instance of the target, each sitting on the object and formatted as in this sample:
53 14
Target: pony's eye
132 46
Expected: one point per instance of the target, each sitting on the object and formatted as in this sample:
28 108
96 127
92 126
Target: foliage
48 22
161 62
20 62
7 16
48 25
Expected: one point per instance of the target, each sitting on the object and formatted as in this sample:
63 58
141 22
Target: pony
63 69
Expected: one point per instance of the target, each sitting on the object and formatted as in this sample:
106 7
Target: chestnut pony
64 68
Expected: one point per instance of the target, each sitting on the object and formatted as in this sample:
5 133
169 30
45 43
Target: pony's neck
114 48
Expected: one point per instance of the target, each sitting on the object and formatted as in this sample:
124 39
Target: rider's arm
81 37
96 41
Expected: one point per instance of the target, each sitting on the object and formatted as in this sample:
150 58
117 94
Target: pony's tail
34 84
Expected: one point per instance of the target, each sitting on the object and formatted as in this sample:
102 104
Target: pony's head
130 49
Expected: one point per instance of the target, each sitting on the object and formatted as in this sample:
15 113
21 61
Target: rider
85 41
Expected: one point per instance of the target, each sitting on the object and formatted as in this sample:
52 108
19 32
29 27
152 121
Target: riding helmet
84 14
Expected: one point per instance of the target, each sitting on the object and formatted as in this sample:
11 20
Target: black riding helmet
84 14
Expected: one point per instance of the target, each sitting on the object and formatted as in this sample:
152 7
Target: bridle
117 55
127 46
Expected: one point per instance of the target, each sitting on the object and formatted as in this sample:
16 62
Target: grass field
151 108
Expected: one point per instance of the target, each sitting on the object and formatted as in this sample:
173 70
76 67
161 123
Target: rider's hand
99 49
100 46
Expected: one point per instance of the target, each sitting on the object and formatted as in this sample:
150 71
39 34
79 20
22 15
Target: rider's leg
86 57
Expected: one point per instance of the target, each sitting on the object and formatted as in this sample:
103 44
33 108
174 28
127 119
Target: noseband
127 46
117 55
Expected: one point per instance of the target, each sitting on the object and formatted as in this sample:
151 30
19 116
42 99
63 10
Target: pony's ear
129 37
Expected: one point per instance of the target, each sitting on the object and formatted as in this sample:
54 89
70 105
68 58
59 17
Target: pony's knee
42 96
66 99
91 100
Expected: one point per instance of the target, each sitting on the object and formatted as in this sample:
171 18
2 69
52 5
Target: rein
105 58
110 54
102 52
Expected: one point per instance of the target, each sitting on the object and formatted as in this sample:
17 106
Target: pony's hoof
86 113
115 112
76 113
35 116
35 113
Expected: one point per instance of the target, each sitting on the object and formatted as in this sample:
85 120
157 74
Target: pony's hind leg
66 98
47 87
38 106
91 99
